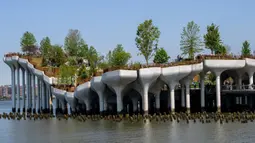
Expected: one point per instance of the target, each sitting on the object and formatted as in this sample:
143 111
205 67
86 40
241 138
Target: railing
236 87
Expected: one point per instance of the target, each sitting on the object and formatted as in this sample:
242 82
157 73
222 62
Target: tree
45 49
118 57
223 50
57 56
147 39
161 56
191 42
66 75
28 43
246 51
212 38
73 42
93 59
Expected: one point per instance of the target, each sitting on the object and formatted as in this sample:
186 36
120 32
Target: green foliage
161 56
66 75
73 43
212 38
191 42
118 57
83 73
221 49
210 79
147 39
93 59
246 51
28 43
136 65
45 49
57 56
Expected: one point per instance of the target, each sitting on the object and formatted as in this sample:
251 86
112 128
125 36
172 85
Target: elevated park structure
136 90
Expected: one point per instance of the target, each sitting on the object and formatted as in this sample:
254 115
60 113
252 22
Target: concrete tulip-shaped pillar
156 90
13 90
171 76
117 80
135 102
82 93
34 93
18 85
147 76
23 90
202 91
183 96
99 87
218 90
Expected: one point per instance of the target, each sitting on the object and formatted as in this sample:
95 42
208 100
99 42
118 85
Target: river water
73 131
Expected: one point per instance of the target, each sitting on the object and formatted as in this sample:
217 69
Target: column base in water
219 109
145 112
171 111
203 109
39 111
18 110
24 110
102 113
66 111
157 111
88 112
188 110
29 110
34 110
51 111
13 110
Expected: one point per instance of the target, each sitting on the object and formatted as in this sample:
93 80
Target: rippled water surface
72 131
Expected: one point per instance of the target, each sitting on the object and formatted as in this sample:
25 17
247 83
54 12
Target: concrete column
46 99
134 102
202 91
172 96
18 86
237 100
145 99
105 103
240 100
50 101
13 90
187 84
101 102
240 82
24 90
88 105
33 93
250 73
38 95
43 97
57 106
245 100
28 91
218 91
157 98
182 96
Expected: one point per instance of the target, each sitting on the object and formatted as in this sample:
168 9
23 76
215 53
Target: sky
104 24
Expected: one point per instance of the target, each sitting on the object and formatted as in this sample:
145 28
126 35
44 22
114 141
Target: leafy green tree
28 43
93 59
57 56
246 51
161 56
118 57
45 49
66 75
212 38
221 50
73 42
191 42
147 39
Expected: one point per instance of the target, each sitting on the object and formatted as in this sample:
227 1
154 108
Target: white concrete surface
98 86
82 93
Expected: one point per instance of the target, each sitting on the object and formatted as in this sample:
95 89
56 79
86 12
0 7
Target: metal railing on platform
237 87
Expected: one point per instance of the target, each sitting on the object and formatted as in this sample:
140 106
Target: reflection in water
72 131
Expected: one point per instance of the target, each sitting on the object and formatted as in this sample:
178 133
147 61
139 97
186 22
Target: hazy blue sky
106 23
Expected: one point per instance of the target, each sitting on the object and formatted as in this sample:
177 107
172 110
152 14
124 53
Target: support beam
202 91
218 90
13 90
18 86
24 90
182 96
187 85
